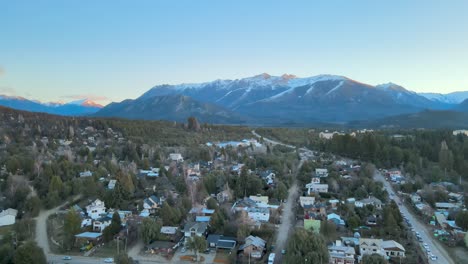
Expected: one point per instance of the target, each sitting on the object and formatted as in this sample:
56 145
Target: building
341 254
315 179
316 188
446 206
306 200
259 199
393 249
100 224
220 241
336 219
111 184
415 198
86 174
369 201
253 246
169 230
329 135
8 217
460 132
176 157
321 172
259 214
195 229
369 246
96 209
152 202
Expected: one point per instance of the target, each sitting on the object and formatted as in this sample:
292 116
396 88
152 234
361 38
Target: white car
109 260
66 258
433 257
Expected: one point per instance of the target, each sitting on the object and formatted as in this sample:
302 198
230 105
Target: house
259 214
456 197
169 230
177 157
161 247
341 254
393 249
259 199
268 177
100 224
152 202
87 237
8 217
369 246
321 172
369 201
201 211
224 196
315 210
425 209
315 180
220 241
96 209
306 200
86 222
415 198
111 184
254 247
441 220
336 219
86 174
351 200
460 132
371 220
329 135
446 206
195 229
200 218
152 172
333 202
316 188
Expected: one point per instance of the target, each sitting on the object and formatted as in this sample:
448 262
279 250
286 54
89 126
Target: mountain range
285 100
267 100
75 108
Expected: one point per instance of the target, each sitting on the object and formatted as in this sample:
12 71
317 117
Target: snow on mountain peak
85 102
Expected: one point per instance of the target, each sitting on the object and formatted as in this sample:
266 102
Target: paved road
426 235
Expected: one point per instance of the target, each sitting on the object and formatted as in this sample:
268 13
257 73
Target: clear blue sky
58 50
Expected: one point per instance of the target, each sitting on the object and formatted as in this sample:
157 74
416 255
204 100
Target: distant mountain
429 119
76 108
287 98
450 98
170 107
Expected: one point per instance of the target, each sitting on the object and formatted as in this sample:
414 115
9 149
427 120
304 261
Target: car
283 251
67 258
433 257
109 260
183 250
425 245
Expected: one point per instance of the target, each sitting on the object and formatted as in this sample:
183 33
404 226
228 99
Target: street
426 235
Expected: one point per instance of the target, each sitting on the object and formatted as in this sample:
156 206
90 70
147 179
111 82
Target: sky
114 50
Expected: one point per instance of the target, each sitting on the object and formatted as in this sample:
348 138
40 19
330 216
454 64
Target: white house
415 198
86 174
169 230
259 214
96 209
192 229
259 199
315 180
100 224
369 201
320 172
316 188
393 249
176 157
306 200
8 217
111 184
86 222
369 246
329 135
340 254
460 132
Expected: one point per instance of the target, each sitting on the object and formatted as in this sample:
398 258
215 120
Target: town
112 191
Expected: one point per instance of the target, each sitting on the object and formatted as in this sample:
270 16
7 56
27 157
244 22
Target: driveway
426 235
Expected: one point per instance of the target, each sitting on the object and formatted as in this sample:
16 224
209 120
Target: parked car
67 258
109 260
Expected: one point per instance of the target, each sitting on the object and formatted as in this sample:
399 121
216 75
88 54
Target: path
288 216
426 235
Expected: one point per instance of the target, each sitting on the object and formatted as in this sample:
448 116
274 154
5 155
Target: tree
281 191
28 253
193 124
462 220
197 244
373 259
328 230
212 204
306 247
72 226
150 230
114 228
354 222
170 216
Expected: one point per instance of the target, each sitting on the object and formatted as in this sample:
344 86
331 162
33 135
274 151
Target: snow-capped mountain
450 98
76 108
290 98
